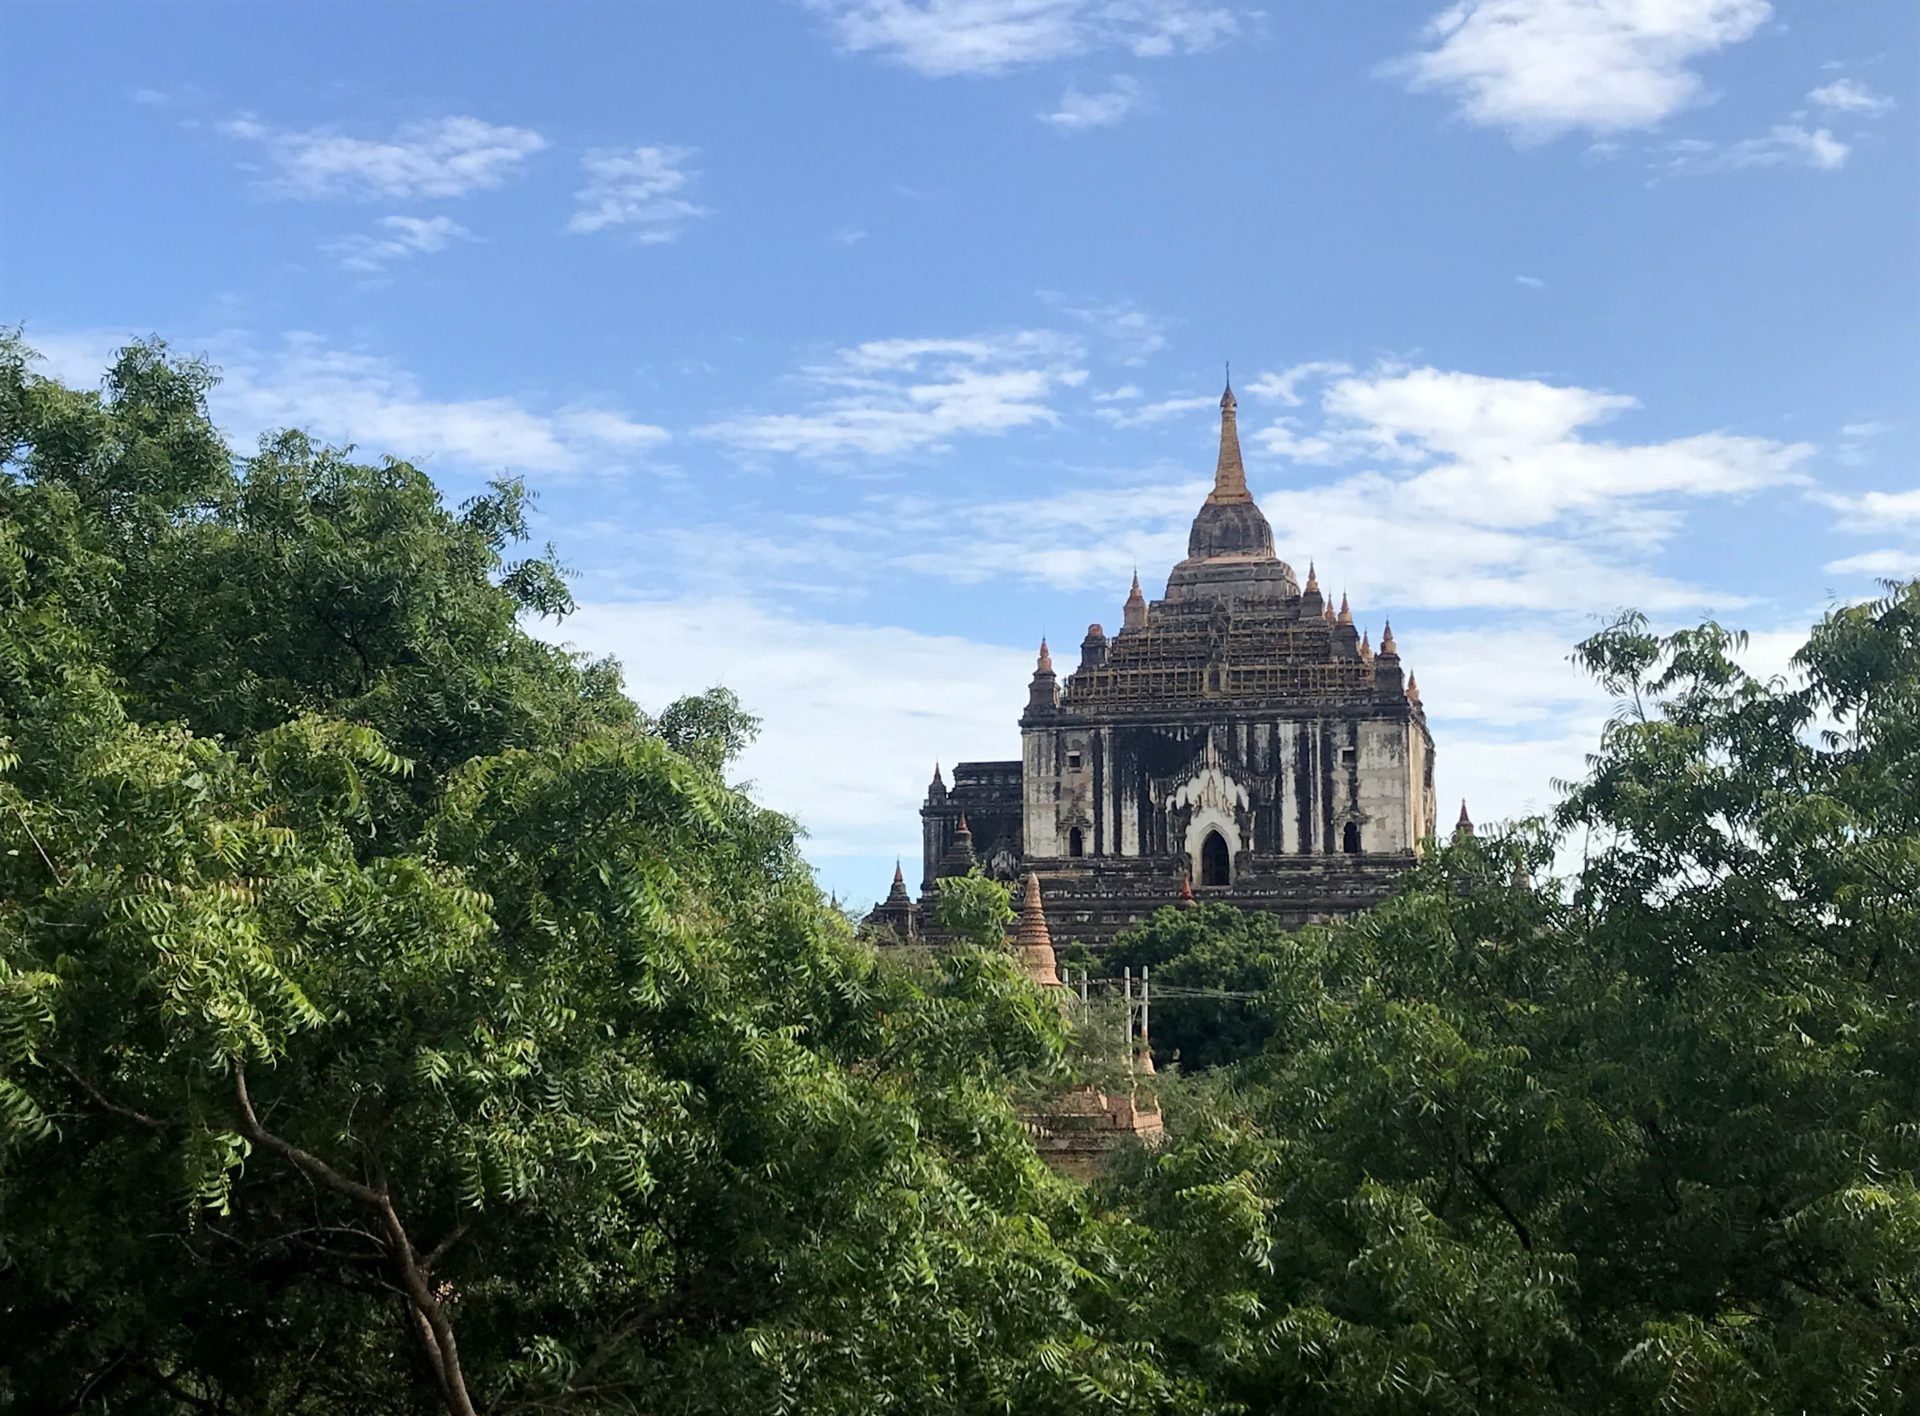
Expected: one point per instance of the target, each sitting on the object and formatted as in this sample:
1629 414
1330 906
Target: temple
1238 738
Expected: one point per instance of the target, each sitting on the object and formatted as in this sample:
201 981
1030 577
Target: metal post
1126 985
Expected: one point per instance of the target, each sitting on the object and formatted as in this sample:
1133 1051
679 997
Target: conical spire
1032 941
1229 473
1313 580
938 781
1327 614
1346 615
961 829
1387 645
1413 688
1366 646
1464 826
1045 666
898 894
1134 616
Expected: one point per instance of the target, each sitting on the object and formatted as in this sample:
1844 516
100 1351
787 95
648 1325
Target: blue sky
852 345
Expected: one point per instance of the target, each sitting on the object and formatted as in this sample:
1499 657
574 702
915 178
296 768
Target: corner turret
1043 693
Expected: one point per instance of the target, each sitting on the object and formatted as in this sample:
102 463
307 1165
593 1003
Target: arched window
1215 867
1350 838
1076 843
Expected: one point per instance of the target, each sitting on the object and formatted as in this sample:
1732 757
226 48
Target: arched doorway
1076 843
1350 838
1216 867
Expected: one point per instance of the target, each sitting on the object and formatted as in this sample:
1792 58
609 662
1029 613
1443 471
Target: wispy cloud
1784 145
435 157
398 237
1121 329
1521 452
1285 385
1890 515
642 191
892 396
1851 96
1080 110
1456 491
352 396
1143 414
1532 282
1541 68
941 38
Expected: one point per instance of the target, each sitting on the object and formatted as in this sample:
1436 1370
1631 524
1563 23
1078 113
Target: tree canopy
394 1017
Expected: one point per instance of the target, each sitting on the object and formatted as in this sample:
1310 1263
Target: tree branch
1486 1188
429 1316
101 1100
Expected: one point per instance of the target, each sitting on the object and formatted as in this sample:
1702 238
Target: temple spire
1464 826
1229 473
1032 940
1045 666
897 897
1134 615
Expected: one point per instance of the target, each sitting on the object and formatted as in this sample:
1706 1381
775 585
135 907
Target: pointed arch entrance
1216 862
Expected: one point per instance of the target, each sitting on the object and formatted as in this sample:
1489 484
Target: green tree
391 1015
1646 1141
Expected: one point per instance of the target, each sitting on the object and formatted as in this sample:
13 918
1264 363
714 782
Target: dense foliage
1646 1143
393 1017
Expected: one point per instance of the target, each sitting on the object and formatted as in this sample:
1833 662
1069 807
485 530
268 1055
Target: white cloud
1532 282
347 396
1784 145
1285 385
642 191
1080 110
402 236
888 397
1516 452
854 715
1851 96
941 38
1118 395
1876 511
1895 515
1147 413
1125 332
1474 492
435 157
1884 565
1542 68
849 236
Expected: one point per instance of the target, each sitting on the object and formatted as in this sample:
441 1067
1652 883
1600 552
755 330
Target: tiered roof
1234 624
